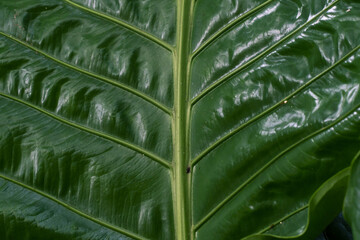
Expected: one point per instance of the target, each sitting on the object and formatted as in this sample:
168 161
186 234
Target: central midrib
180 120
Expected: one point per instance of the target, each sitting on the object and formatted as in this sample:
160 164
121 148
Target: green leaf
185 119
351 204
317 212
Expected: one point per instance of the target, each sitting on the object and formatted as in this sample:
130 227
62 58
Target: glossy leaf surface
351 205
167 119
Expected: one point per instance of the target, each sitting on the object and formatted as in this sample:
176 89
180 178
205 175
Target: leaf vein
101 78
253 60
227 28
67 206
269 110
284 218
273 160
124 24
92 131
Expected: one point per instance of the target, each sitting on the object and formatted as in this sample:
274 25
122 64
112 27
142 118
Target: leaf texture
176 119
351 207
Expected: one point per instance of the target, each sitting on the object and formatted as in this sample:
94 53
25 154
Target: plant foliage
187 119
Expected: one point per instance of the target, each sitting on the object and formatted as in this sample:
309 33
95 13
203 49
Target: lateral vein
253 60
226 28
101 78
124 24
92 131
278 104
272 161
67 206
284 218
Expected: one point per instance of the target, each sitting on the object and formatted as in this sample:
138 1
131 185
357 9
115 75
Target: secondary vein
272 161
104 79
268 50
92 131
283 219
124 24
269 110
67 206
227 27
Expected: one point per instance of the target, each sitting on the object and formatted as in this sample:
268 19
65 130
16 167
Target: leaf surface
351 206
176 119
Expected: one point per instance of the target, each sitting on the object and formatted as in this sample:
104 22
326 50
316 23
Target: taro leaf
351 205
164 119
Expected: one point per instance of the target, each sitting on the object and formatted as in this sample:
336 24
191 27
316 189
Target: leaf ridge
280 103
251 61
94 75
227 27
67 206
92 131
124 24
273 160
